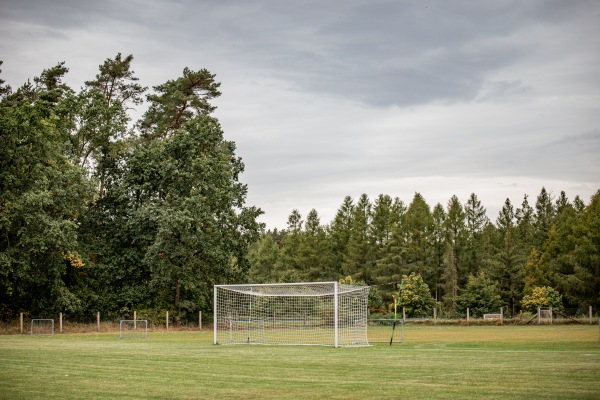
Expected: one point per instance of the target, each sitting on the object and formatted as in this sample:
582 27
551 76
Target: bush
415 297
480 295
544 296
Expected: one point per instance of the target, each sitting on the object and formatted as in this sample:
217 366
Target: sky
328 99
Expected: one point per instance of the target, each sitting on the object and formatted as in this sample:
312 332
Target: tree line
545 253
102 213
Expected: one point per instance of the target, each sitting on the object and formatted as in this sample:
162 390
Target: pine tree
476 220
544 217
288 265
313 251
359 259
455 249
508 263
339 234
417 226
438 243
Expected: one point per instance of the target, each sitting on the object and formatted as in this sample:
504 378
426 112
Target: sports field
435 362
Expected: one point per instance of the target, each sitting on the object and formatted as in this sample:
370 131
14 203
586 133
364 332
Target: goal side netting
321 313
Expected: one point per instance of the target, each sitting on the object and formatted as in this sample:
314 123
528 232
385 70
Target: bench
492 316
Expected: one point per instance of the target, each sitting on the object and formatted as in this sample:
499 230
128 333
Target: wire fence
162 320
105 321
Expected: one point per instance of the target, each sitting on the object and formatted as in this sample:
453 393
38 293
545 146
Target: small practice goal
42 327
133 329
315 313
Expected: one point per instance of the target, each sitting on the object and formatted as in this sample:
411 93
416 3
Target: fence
101 322
502 316
109 322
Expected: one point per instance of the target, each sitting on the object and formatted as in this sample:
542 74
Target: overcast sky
333 98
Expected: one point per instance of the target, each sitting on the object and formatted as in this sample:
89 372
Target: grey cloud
384 53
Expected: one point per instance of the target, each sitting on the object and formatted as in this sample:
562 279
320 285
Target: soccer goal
544 315
133 329
42 327
313 313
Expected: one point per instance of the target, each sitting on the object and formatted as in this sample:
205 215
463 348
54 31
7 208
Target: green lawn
462 362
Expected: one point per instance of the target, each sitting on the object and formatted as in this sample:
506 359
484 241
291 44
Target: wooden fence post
501 315
539 316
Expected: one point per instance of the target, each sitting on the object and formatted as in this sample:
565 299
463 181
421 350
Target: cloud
328 99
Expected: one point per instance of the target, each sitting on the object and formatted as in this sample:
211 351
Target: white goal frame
37 320
307 313
140 328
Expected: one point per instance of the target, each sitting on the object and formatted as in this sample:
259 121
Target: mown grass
461 362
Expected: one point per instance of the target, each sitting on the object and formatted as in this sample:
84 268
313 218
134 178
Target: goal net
133 329
42 327
545 315
316 313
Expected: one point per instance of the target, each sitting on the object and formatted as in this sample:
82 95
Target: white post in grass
501 315
199 320
215 314
60 322
539 316
21 318
403 315
435 314
550 315
335 314
468 315
167 320
98 321
134 318
590 315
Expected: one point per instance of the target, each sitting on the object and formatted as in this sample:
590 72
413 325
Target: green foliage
42 195
544 296
200 227
415 297
359 256
93 218
262 256
177 101
480 295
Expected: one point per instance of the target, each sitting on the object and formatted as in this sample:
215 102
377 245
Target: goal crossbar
307 313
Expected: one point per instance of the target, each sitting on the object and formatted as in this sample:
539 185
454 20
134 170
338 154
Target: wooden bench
492 316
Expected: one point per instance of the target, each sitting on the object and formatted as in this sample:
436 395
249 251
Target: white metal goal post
308 313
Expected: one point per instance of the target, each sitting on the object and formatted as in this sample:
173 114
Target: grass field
435 362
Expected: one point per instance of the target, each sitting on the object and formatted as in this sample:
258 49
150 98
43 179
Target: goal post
308 313
43 327
133 328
